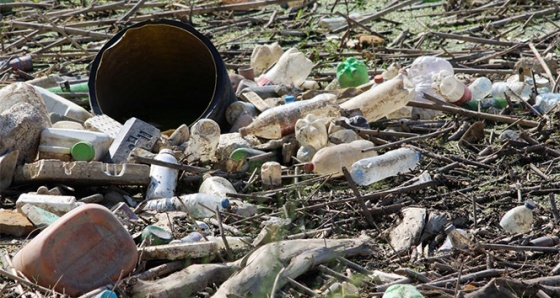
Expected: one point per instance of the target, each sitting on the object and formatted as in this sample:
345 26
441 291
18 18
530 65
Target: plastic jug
58 143
58 205
264 56
519 219
382 100
330 160
370 170
163 180
204 139
281 120
311 131
83 250
351 73
291 69
271 175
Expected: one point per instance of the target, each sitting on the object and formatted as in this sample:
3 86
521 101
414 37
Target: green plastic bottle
80 87
351 73
486 103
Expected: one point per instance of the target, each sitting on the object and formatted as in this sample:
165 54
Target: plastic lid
83 151
289 99
239 154
309 167
530 205
378 79
106 294
225 203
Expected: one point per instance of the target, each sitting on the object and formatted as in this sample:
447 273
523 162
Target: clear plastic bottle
291 70
305 153
330 160
480 88
344 136
216 186
521 88
197 204
519 219
204 139
311 131
424 67
237 108
456 238
279 121
382 100
370 170
271 175
190 238
453 90
545 102
333 23
162 179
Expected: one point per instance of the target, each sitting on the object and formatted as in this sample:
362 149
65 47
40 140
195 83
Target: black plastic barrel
165 73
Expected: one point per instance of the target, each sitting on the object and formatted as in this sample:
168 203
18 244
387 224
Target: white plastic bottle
57 142
204 139
58 205
382 100
370 170
480 88
216 186
311 131
330 160
453 90
519 219
162 179
60 105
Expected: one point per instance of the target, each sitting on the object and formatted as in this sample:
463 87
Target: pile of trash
105 202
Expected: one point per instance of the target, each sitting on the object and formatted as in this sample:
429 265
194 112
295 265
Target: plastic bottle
486 103
305 153
424 67
216 186
545 102
311 131
480 88
453 90
291 69
370 170
163 180
519 219
271 175
58 205
330 160
521 88
241 154
351 73
456 238
279 121
60 105
333 23
344 136
193 202
379 102
78 87
237 108
204 139
263 56
57 142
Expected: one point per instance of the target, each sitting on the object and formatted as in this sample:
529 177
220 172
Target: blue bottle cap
225 203
289 99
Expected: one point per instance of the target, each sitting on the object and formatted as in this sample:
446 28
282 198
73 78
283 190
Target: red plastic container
83 250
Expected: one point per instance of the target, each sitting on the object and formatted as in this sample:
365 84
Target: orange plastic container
83 250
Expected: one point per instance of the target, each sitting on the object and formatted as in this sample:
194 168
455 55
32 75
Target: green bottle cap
351 73
82 151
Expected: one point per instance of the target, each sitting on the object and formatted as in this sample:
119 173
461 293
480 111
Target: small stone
14 224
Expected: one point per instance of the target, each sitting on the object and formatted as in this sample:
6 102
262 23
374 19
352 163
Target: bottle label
467 96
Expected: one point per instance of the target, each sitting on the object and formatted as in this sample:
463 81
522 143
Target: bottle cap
308 167
530 205
225 203
239 154
289 99
83 151
106 294
378 79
